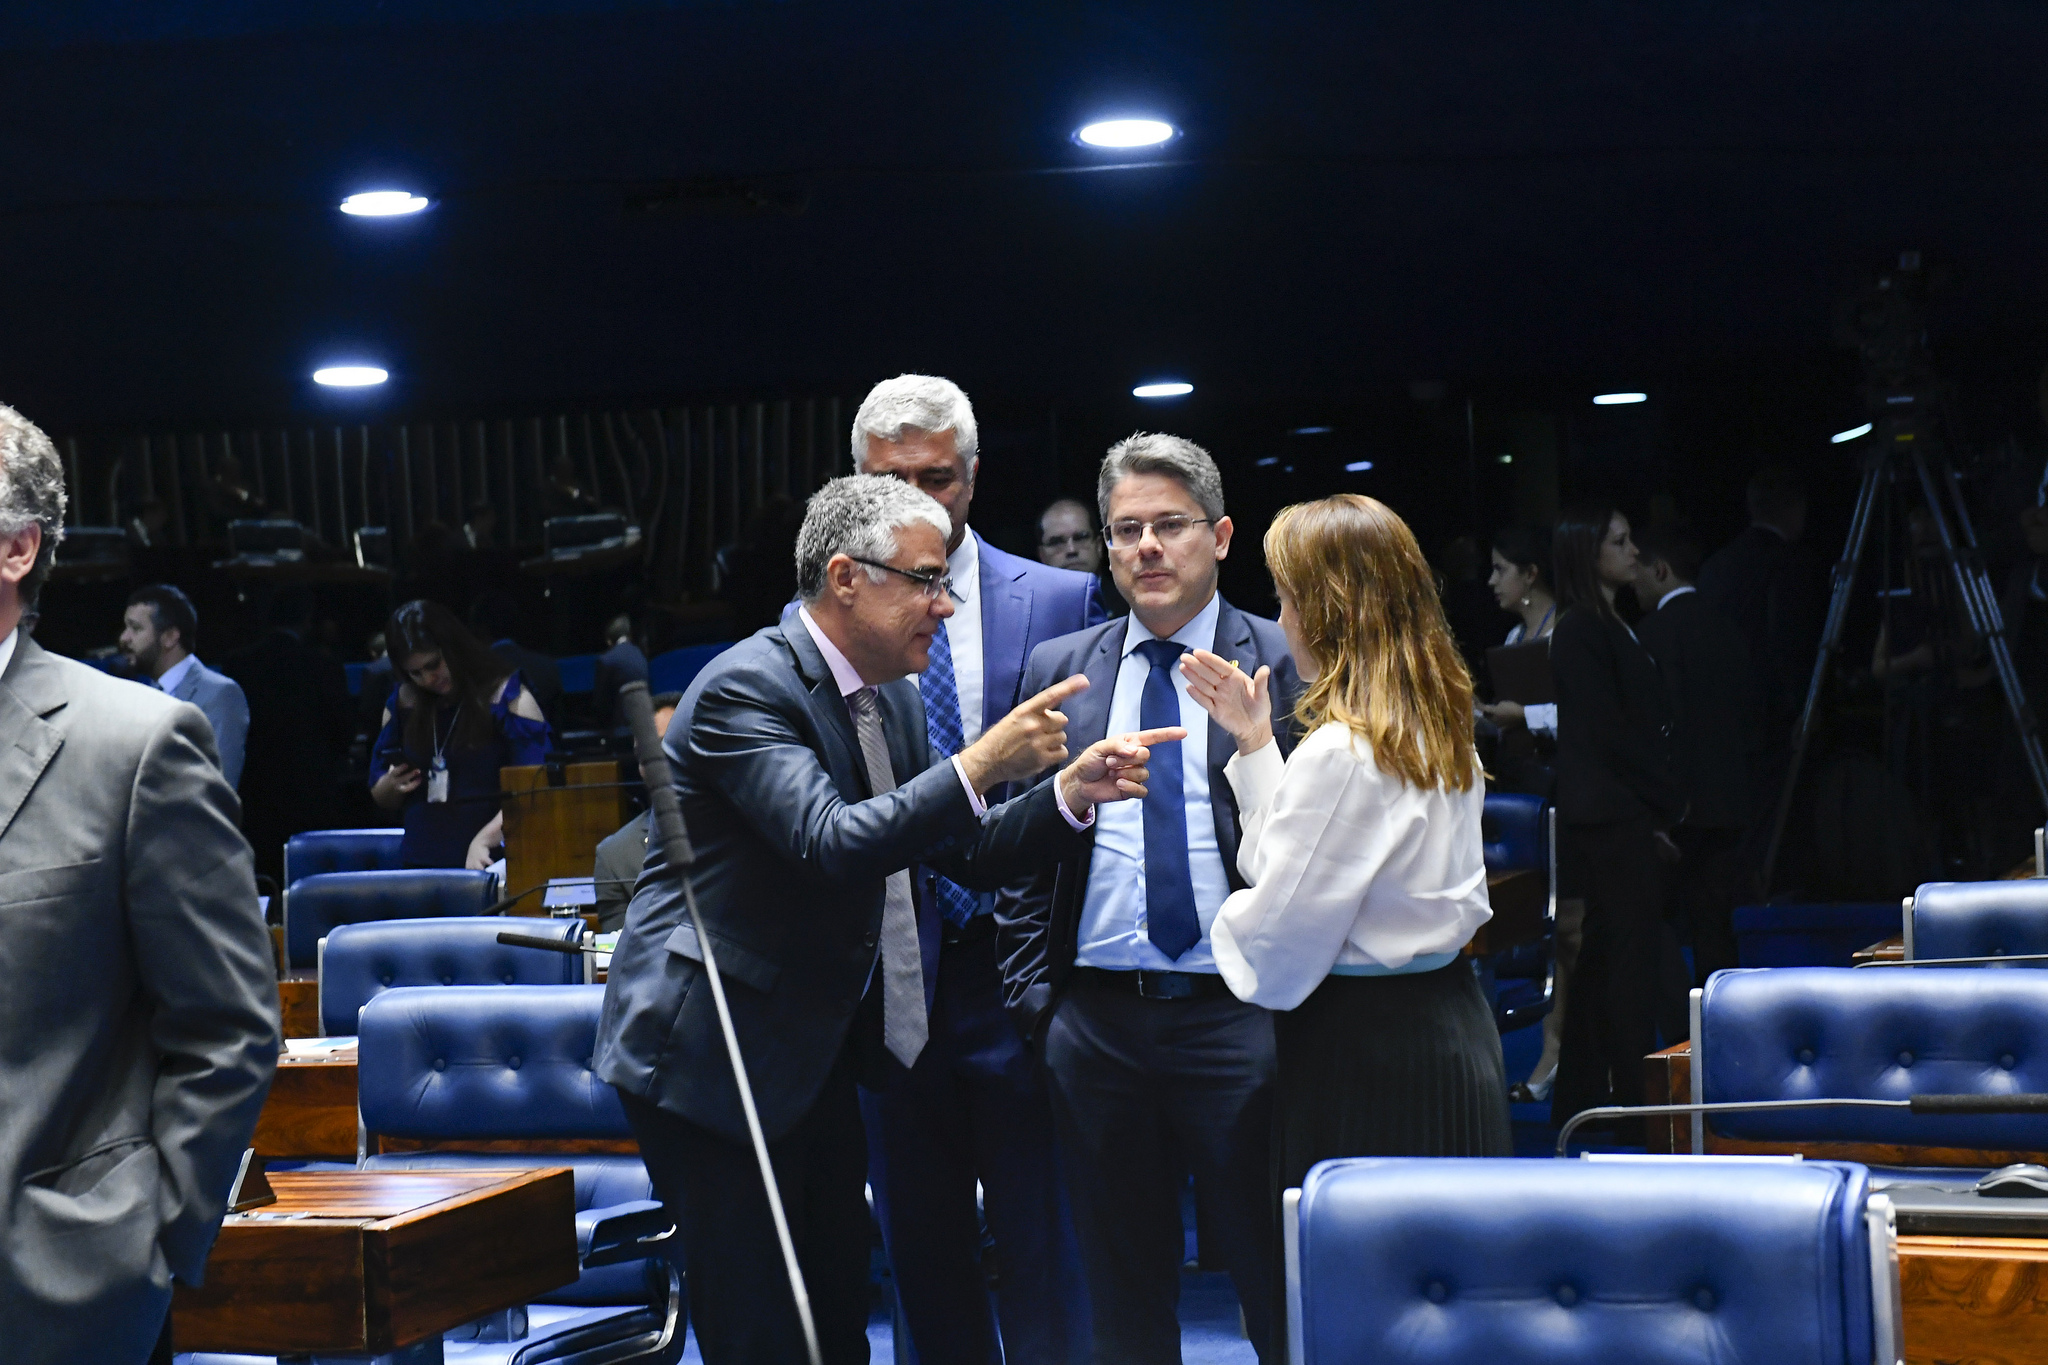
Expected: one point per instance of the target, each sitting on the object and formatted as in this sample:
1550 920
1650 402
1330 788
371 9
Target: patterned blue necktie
942 723
1170 919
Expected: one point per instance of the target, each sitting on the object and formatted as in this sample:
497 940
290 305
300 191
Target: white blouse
1350 869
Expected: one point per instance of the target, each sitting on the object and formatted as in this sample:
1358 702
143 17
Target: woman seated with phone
458 715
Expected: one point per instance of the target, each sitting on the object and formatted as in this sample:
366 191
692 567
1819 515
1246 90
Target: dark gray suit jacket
1038 919
139 1016
793 853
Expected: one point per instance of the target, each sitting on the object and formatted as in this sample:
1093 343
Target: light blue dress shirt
1113 930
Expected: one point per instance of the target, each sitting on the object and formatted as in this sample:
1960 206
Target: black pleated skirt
1390 1066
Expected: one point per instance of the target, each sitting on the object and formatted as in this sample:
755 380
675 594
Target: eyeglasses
934 583
1067 542
1125 535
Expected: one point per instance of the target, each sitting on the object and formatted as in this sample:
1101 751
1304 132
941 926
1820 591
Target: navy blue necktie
943 725
1170 918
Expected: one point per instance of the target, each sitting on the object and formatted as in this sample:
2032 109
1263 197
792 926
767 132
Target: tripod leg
1945 501
1845 572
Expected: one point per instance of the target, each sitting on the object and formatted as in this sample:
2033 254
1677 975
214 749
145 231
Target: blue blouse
438 833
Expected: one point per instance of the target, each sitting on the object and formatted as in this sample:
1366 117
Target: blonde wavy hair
1370 615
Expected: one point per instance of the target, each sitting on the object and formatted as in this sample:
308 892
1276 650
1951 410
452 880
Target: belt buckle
1164 986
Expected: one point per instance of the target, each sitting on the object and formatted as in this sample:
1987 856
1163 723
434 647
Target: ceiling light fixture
1310 431
1507 459
1267 461
1851 434
1358 467
350 376
1125 133
1165 388
1611 400
383 203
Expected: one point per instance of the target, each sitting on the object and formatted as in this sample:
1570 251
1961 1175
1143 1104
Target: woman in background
1363 852
1521 584
1616 797
457 716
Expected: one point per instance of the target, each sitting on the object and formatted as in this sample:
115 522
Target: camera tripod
1902 440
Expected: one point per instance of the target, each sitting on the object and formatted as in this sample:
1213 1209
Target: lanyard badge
437 780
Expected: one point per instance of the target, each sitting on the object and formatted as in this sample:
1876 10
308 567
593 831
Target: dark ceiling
674 199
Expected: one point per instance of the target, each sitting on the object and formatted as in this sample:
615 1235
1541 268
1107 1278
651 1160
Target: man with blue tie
1156 1069
973 1107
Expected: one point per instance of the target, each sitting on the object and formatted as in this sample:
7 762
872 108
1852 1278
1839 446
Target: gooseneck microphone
667 826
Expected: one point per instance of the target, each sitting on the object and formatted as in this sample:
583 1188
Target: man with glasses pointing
973 1107
1156 1069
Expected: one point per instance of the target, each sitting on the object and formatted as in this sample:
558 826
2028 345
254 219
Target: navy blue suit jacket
1038 919
792 857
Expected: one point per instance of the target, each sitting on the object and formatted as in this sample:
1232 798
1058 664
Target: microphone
666 824
553 945
1957 961
1917 1104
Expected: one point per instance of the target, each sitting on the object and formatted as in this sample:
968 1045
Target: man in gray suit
805 771
139 1023
159 631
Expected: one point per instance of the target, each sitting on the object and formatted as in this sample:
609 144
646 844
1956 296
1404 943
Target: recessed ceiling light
1507 459
1310 431
1851 434
383 203
1267 462
1358 467
1165 388
1125 133
1609 400
350 376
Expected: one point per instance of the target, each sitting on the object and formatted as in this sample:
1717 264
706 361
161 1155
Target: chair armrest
622 1232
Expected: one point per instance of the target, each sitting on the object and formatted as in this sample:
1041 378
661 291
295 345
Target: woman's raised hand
1238 703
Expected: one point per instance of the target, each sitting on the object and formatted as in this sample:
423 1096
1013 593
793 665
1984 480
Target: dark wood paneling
311 1111
1983 1300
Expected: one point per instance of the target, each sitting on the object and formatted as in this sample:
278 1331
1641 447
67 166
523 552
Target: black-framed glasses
935 583
1125 535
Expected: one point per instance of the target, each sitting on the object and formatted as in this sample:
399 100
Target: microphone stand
1918 1104
667 825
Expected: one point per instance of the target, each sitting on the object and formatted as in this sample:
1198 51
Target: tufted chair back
1808 1032
1519 834
359 961
318 903
462 1064
341 850
1435 1261
1978 919
1513 830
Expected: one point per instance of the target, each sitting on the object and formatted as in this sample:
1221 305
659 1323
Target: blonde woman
1363 853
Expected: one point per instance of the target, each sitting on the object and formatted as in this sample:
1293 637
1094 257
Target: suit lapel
828 711
1088 714
1005 626
1234 641
188 686
27 741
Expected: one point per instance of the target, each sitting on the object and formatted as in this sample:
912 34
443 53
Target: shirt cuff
1540 717
1060 799
973 796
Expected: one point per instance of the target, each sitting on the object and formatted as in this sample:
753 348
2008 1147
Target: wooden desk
554 831
1976 1299
310 1113
376 1261
298 1000
1520 900
1891 949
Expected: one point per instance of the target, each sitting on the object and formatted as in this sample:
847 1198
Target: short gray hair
1155 452
921 402
859 516
31 493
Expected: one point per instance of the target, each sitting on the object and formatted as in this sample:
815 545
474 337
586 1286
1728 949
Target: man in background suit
1156 1069
622 853
808 783
159 631
1716 735
974 1107
300 723
138 1027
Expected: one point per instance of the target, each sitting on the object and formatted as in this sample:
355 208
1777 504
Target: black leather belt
1153 985
977 928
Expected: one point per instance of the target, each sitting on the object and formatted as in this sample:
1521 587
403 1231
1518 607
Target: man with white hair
804 771
974 1108
139 1024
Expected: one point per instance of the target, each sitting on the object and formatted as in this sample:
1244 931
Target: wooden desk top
1891 949
365 1262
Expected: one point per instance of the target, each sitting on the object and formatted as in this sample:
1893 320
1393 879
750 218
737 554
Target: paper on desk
318 1047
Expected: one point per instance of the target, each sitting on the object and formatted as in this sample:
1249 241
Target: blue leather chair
1520 832
361 961
318 903
1810 1032
1978 919
341 850
676 669
1501 1262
